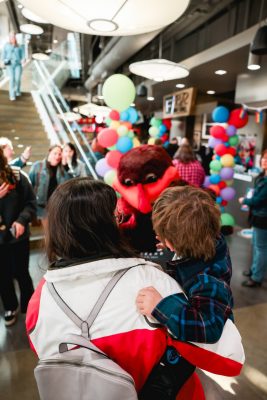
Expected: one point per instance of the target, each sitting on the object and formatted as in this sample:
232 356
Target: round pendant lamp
108 18
159 70
31 29
32 17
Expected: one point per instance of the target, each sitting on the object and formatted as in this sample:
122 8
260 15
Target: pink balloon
114 115
107 137
113 158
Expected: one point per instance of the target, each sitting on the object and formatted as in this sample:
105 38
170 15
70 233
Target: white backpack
81 374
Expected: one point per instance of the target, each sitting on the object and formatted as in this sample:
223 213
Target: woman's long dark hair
81 222
74 157
6 173
59 166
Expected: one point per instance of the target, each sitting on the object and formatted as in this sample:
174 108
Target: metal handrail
67 108
61 113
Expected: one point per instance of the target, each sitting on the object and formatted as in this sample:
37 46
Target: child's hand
147 299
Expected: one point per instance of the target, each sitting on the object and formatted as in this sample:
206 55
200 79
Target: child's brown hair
189 219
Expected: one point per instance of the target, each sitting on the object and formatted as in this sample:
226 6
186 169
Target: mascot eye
128 182
150 178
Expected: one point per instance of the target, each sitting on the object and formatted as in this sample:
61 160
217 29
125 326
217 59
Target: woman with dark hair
70 162
190 170
85 249
17 209
258 219
45 175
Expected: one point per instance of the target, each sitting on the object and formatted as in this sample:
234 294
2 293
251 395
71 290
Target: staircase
20 122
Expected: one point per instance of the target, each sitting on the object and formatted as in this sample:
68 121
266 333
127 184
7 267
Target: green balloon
155 122
108 121
212 172
233 140
130 134
227 219
109 177
215 165
119 92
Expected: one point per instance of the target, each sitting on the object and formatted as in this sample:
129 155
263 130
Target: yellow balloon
151 140
227 160
136 142
114 124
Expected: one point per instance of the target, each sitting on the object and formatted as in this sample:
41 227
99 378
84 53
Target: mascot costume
143 173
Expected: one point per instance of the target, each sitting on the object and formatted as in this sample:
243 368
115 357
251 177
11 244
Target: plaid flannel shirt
199 315
191 172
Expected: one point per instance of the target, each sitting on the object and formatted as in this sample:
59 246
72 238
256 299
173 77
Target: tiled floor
17 361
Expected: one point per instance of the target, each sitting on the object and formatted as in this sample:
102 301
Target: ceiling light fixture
220 72
31 29
253 62
109 18
150 98
158 69
102 25
20 6
211 92
32 16
40 56
180 85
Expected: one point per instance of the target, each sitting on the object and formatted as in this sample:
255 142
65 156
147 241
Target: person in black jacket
17 209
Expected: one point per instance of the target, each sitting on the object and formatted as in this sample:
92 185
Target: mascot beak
140 196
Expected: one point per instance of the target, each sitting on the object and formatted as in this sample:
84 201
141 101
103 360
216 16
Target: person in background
13 57
8 150
45 175
189 169
17 210
70 162
258 219
172 147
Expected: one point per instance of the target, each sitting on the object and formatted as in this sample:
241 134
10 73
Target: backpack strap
86 325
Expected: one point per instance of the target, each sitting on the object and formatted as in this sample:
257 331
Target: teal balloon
233 140
108 121
155 122
118 92
227 219
215 165
133 115
124 144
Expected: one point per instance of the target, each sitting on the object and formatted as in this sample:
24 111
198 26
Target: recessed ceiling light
210 91
150 98
220 72
180 85
20 145
20 6
16 138
55 41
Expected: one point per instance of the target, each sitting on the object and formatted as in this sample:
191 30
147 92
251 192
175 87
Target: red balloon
231 150
218 132
220 149
107 137
236 120
167 122
114 115
222 185
216 189
224 138
224 203
113 158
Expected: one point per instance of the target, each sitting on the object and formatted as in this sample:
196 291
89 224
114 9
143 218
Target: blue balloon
124 144
220 114
133 115
214 179
162 129
124 115
165 145
219 200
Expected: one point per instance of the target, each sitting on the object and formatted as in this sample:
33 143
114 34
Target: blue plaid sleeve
201 316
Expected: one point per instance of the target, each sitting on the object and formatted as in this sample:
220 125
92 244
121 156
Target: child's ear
169 245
